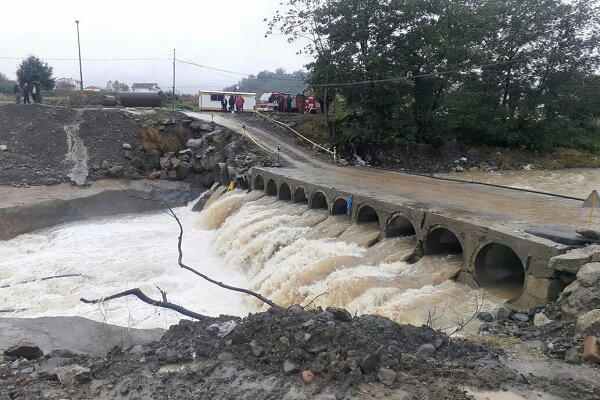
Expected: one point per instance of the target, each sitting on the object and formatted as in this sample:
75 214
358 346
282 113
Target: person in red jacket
239 103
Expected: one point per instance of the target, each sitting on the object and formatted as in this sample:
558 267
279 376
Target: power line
88 59
406 78
242 73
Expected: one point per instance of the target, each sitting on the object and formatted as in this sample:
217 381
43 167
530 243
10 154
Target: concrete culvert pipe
442 241
498 266
259 183
271 188
299 196
319 200
285 193
339 206
400 225
366 214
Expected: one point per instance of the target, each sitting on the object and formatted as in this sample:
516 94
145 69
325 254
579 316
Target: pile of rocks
25 363
202 146
568 329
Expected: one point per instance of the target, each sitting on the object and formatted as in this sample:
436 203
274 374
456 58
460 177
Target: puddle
172 368
492 395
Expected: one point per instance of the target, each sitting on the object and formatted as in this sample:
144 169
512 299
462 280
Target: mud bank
288 354
26 209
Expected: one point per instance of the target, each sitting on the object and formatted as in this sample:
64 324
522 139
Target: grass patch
495 340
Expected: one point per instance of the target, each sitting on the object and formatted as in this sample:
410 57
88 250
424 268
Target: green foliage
116 86
6 85
515 73
267 81
32 69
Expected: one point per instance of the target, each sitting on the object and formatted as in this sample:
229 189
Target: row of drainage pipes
495 264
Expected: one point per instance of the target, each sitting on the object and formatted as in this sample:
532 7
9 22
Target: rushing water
285 251
577 182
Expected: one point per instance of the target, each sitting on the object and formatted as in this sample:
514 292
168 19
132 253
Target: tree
267 81
494 72
32 69
116 86
6 85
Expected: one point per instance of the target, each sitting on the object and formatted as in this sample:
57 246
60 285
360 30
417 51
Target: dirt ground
415 157
265 356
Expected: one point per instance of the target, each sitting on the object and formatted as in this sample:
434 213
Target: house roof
144 85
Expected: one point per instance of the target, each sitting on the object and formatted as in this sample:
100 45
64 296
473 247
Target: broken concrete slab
574 259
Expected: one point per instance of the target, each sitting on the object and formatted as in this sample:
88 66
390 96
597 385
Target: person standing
224 104
231 103
239 102
17 92
288 103
26 93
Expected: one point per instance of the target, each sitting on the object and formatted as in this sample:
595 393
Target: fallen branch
221 284
46 278
462 323
316 297
140 295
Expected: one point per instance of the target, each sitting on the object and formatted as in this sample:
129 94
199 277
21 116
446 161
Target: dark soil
448 156
37 144
264 356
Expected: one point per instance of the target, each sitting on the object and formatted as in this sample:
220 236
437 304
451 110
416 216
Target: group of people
235 103
284 103
24 91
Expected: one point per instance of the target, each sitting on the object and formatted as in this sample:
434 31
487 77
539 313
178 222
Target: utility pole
173 79
79 48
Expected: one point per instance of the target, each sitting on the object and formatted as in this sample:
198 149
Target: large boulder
583 294
589 323
591 350
71 374
210 159
183 170
589 275
115 172
202 126
574 259
152 160
194 143
24 348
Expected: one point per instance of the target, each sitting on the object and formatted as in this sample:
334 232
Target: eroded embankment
27 209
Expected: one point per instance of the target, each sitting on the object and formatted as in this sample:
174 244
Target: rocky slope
280 354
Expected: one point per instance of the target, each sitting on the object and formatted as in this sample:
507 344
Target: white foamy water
115 254
285 251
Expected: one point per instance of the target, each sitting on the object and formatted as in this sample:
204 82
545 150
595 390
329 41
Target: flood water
285 251
576 182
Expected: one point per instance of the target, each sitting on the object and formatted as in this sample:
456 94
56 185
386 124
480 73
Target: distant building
145 87
67 83
93 88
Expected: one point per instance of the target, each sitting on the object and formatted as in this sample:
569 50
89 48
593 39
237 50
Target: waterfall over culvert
284 250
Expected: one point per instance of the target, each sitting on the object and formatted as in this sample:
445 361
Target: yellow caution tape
332 153
245 133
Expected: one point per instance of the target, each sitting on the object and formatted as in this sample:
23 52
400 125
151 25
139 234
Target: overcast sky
222 34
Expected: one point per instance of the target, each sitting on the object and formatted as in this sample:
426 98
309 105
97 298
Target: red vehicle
302 104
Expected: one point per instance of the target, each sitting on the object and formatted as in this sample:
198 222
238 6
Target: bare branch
163 294
46 278
462 323
140 295
316 297
221 284
433 317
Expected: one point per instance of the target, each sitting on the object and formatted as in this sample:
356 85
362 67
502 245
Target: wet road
504 209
